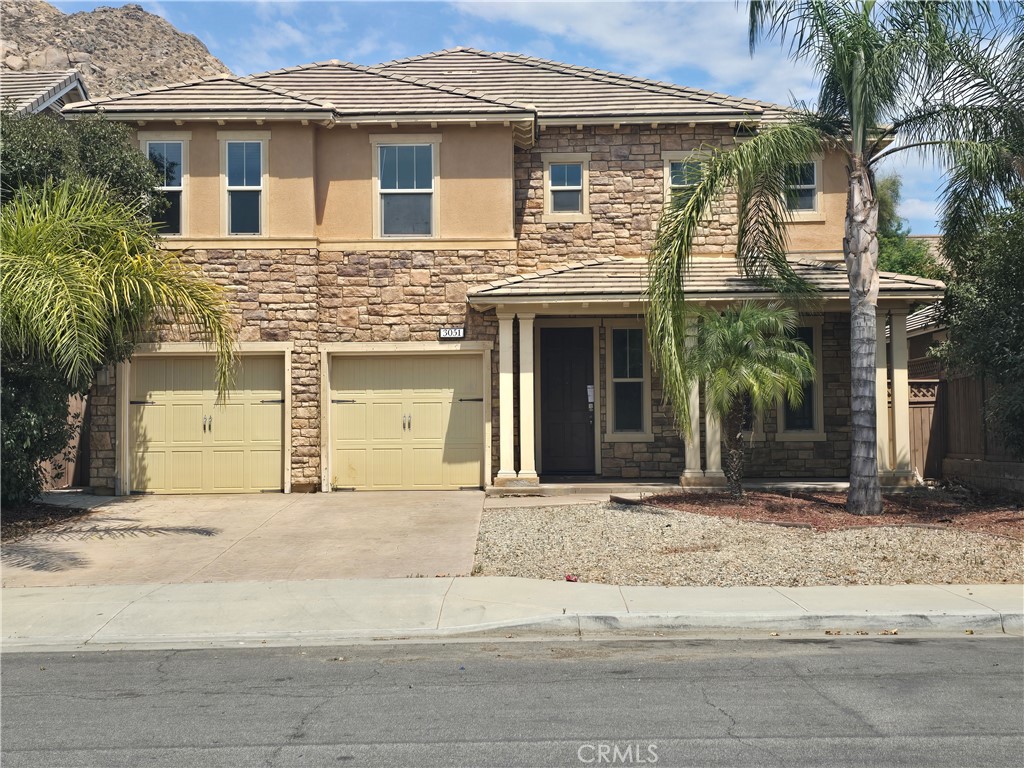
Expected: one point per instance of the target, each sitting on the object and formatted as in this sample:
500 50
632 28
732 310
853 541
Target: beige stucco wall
475 185
320 181
823 230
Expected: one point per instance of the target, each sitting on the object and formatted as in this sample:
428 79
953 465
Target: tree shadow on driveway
36 553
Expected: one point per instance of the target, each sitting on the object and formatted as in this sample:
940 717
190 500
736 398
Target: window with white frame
805 421
628 390
168 158
406 181
244 166
565 185
683 176
802 187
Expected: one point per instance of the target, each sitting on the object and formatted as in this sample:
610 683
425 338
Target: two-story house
439 268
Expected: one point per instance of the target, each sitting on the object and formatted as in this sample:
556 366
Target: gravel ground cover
647 545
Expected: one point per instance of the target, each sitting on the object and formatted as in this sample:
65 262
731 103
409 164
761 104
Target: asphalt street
865 701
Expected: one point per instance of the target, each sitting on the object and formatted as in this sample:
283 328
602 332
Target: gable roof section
221 94
35 91
354 91
620 279
567 92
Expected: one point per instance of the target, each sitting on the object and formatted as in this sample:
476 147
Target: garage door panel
186 423
386 466
350 468
266 423
465 422
428 420
265 472
228 470
186 470
191 376
149 422
263 377
386 421
349 421
427 467
149 470
149 380
462 466
227 423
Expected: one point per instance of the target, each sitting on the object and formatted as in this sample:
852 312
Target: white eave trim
737 119
488 300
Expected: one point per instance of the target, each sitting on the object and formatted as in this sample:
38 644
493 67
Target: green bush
35 427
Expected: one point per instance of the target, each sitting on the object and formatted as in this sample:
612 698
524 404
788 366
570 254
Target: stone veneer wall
829 458
627 192
309 297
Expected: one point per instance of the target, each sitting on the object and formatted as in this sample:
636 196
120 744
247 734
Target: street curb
562 626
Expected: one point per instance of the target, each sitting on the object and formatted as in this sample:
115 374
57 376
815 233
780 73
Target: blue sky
701 44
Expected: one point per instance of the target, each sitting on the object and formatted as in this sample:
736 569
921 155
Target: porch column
904 472
713 474
881 395
692 474
506 419
527 457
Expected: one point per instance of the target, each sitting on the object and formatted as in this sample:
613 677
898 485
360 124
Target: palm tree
82 280
748 361
919 70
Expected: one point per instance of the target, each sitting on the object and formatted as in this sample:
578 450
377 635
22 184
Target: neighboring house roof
32 92
924 320
221 94
569 92
620 279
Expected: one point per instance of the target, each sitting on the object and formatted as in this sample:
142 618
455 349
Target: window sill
628 437
567 218
806 217
800 437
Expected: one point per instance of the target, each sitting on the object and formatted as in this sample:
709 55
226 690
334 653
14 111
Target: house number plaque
451 333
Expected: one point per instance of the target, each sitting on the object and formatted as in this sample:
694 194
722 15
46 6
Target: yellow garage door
184 441
407 422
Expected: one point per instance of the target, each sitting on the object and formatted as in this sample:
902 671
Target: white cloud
653 39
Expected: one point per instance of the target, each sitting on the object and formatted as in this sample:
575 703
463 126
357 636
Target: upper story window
566 187
168 157
406 174
683 175
802 187
245 187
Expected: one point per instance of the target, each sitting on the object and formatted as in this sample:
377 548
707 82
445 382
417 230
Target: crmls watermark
603 753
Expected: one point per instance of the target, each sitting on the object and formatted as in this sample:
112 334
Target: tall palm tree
943 76
82 280
747 356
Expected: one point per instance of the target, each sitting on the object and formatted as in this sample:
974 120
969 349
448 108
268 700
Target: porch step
588 489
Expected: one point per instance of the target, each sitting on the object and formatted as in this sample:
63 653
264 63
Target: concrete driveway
262 537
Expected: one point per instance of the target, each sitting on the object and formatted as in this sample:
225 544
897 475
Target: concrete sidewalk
333 611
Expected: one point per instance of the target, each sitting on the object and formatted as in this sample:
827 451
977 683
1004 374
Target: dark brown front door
567 400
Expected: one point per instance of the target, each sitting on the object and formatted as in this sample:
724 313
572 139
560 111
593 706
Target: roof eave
199 116
645 119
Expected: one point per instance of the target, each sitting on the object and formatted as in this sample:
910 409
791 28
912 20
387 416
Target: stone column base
691 478
516 481
714 478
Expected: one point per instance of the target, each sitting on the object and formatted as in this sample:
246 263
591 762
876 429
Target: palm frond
83 279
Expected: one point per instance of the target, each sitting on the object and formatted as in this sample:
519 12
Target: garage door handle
471 399
142 402
272 401
333 401
204 423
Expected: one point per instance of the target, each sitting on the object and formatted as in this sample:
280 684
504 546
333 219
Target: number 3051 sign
451 333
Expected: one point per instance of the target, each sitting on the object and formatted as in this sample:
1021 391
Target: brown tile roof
218 94
566 91
355 90
619 279
33 91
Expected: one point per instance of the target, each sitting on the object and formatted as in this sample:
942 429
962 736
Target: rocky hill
115 49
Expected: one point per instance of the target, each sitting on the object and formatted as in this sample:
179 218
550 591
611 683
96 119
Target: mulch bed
957 508
21 521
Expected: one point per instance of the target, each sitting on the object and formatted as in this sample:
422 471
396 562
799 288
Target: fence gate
927 426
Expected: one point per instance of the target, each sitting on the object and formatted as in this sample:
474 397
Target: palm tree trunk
734 449
861 250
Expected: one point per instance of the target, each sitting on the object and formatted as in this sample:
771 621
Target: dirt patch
956 509
21 521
